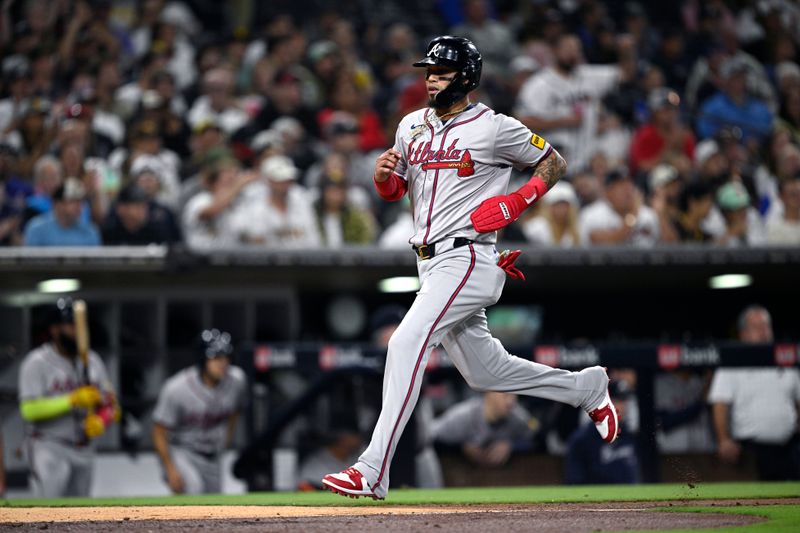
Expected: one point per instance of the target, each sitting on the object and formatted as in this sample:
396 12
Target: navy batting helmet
459 54
61 312
213 343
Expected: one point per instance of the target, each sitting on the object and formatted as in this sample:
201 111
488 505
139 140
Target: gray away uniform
196 416
59 453
450 168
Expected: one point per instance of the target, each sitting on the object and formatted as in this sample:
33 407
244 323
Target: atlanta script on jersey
452 167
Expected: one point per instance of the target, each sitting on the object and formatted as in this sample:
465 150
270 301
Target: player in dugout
195 418
64 411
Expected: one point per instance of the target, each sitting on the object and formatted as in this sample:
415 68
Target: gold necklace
451 113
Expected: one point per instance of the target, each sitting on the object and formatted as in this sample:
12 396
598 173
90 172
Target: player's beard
67 344
433 103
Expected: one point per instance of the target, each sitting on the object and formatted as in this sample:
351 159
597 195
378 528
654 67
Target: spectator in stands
10 220
209 220
296 142
785 229
619 217
673 58
156 179
733 201
264 145
174 130
284 99
486 428
665 186
145 139
284 216
17 187
63 226
17 90
105 119
711 165
348 96
589 461
588 188
664 138
218 102
152 76
755 410
561 102
341 133
694 205
48 175
340 222
31 134
706 75
734 107
207 136
556 224
494 39
133 222
789 115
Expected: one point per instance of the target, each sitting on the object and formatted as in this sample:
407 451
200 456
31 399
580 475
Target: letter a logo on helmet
459 54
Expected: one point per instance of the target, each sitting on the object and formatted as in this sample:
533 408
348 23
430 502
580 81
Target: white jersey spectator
785 229
210 217
562 102
283 215
620 217
218 103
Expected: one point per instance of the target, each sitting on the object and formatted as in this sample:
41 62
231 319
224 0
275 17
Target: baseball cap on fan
278 168
705 150
662 175
71 189
732 196
145 164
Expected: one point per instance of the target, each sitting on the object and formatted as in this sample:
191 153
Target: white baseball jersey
44 372
551 95
452 167
196 414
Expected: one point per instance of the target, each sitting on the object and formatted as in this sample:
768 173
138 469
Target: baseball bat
82 336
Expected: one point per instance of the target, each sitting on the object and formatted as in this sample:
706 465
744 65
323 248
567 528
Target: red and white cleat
349 482
605 419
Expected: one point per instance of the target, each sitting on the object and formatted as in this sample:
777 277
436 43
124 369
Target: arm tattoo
551 169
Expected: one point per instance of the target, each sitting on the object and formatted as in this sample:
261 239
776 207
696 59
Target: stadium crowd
132 123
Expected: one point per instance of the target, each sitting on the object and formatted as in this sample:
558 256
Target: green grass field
457 496
782 518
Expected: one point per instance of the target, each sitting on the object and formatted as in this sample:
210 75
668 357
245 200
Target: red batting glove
506 262
498 212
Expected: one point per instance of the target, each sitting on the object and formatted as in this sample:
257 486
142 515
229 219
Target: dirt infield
462 519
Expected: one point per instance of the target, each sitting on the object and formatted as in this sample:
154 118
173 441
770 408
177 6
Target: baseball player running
64 413
195 417
454 160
